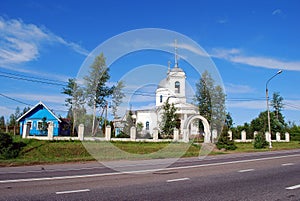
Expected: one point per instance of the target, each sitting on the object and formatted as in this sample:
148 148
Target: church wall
147 116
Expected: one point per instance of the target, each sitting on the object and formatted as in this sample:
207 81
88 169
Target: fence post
254 134
108 133
287 137
278 137
50 131
26 129
155 134
133 133
175 134
230 135
243 136
81 132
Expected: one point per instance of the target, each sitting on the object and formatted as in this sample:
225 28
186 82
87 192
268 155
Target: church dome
176 69
162 84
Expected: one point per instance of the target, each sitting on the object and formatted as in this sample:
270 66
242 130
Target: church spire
176 55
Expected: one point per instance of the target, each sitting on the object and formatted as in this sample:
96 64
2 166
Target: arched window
147 125
177 87
160 98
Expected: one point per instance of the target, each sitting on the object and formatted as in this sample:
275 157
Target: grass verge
47 152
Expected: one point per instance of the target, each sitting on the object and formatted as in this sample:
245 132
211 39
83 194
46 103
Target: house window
177 87
39 125
147 125
29 124
160 98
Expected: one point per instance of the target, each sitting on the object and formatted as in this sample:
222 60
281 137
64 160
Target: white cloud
236 56
238 89
277 12
6 112
255 104
21 42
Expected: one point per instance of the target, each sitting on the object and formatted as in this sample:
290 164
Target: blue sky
249 41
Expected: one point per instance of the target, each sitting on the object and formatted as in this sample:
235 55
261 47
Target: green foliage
210 99
75 101
224 142
259 141
294 132
8 148
277 103
117 97
96 90
260 124
2 122
128 124
169 119
123 135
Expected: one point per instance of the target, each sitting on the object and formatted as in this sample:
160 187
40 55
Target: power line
13 99
24 103
35 78
31 80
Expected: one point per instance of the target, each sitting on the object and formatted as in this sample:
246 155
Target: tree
95 87
117 97
75 101
169 118
210 99
218 117
260 123
2 122
203 94
228 120
277 103
128 124
26 109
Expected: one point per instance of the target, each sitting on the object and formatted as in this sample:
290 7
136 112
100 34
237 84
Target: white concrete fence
267 135
133 136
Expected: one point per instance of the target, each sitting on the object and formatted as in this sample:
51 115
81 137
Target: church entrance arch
205 123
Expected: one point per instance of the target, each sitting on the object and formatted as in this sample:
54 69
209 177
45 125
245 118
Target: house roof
40 103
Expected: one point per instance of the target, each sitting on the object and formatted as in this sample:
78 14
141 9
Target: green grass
43 152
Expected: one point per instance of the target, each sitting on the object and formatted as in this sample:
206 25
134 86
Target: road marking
287 164
180 179
143 171
246 170
74 191
293 187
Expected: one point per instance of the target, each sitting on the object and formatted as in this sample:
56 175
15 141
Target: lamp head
280 71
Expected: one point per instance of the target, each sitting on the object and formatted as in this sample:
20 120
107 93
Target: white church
173 89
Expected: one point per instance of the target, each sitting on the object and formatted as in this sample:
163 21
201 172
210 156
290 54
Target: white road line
74 191
287 164
246 170
293 187
144 171
180 179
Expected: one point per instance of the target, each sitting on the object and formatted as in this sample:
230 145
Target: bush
259 141
224 142
123 135
8 148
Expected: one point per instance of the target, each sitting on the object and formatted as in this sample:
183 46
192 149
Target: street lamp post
267 99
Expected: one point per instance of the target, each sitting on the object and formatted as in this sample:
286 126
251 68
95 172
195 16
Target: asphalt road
255 176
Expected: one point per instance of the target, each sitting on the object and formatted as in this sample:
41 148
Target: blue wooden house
36 118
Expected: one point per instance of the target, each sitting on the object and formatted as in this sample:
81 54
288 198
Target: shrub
224 142
8 148
260 141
